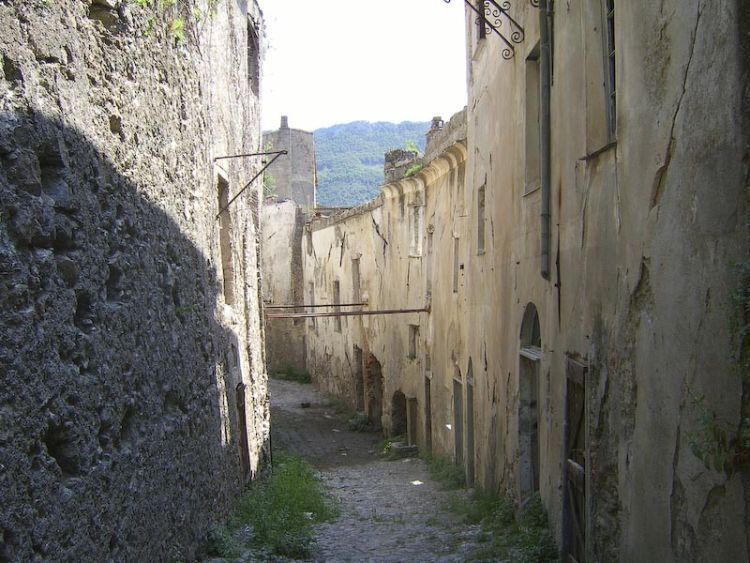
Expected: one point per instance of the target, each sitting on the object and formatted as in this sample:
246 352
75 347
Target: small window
337 307
413 341
480 220
415 229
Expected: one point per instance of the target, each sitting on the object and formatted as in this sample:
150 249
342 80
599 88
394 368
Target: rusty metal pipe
314 306
347 313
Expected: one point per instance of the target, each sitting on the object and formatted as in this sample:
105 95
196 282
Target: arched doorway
528 408
374 392
398 414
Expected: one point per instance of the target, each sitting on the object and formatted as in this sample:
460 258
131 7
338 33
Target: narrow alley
390 510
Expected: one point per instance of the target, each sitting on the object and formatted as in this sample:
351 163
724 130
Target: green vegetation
177 17
290 374
445 472
721 446
359 422
414 170
524 537
350 158
277 513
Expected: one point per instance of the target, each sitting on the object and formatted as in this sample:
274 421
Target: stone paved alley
390 510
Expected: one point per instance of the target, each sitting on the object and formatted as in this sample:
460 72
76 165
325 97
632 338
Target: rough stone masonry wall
119 357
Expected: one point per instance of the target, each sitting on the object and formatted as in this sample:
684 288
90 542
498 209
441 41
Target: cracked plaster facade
647 222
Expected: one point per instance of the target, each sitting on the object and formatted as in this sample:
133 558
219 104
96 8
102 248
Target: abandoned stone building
133 398
549 301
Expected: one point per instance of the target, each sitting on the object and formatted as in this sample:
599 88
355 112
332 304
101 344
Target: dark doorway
469 426
398 414
574 470
374 392
528 406
458 422
411 421
427 414
359 380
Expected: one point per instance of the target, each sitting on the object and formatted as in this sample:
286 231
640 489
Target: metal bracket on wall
276 154
492 14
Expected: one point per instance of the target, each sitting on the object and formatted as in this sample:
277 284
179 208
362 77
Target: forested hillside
350 158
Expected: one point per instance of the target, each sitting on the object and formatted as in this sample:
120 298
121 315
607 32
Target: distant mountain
350 158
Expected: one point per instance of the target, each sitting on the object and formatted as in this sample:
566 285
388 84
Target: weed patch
442 470
523 536
277 513
290 374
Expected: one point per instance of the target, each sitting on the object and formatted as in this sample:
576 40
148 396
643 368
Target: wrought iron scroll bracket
276 154
493 14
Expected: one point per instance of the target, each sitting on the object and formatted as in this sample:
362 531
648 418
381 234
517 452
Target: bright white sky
337 61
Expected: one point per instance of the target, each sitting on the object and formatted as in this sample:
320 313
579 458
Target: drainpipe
544 131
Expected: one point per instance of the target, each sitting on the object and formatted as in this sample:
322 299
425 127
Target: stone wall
133 399
294 175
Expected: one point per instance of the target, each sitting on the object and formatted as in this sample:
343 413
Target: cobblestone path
390 510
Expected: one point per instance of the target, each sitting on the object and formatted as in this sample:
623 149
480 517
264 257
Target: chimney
284 122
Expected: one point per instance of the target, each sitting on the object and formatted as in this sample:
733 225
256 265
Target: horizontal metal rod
315 306
248 154
347 313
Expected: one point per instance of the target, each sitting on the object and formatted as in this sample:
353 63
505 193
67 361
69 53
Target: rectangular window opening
532 119
413 341
253 58
225 242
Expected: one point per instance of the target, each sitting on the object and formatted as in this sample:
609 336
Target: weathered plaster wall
281 244
294 174
645 232
120 354
646 227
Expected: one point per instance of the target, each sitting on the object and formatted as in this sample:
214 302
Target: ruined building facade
569 267
133 399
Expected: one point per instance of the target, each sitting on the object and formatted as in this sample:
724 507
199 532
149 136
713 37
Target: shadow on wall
112 440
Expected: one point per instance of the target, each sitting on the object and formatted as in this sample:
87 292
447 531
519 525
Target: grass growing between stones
521 536
290 374
276 513
449 475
